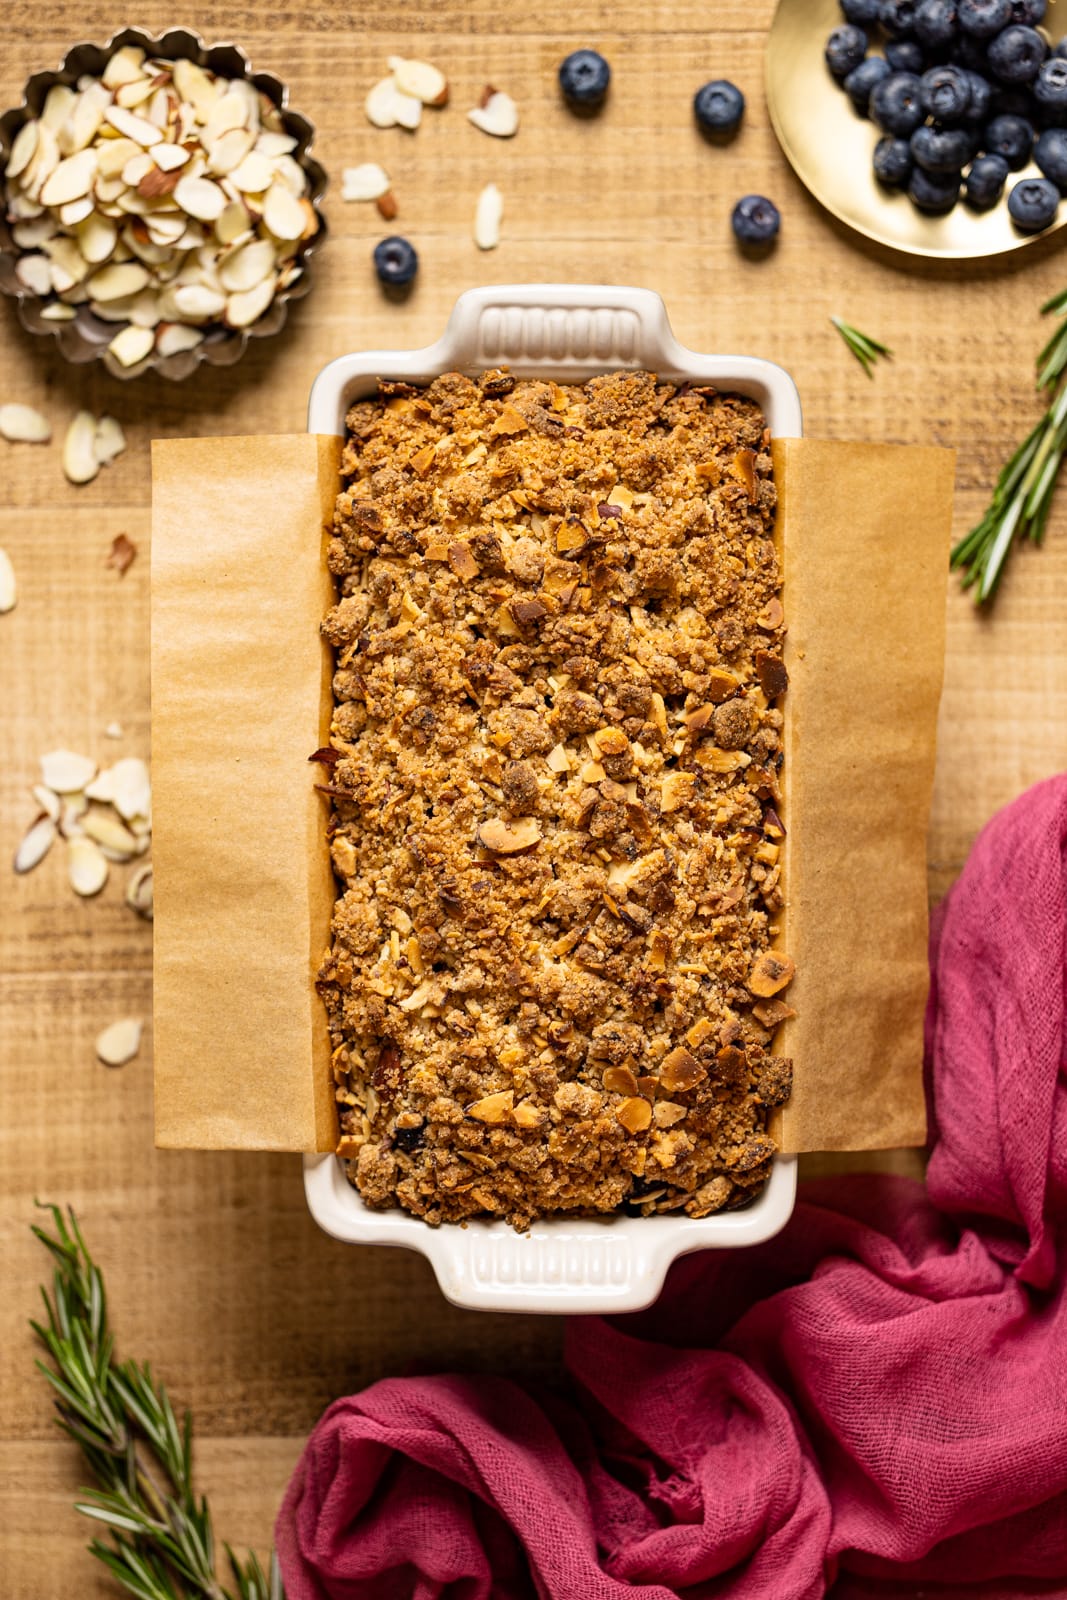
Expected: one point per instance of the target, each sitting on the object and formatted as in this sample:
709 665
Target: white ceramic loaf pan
568 333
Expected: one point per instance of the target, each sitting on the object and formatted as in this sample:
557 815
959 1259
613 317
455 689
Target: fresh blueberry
1050 89
1061 49
845 49
1033 204
892 161
969 53
898 17
1050 153
1010 137
1011 102
981 95
584 77
935 23
982 19
984 183
861 81
395 261
864 13
904 55
719 106
933 192
1029 12
1016 54
941 150
896 104
946 93
755 220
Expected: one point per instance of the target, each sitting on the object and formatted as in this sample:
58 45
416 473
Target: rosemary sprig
865 349
159 1544
1022 496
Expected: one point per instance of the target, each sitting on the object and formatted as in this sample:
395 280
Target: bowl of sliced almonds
160 204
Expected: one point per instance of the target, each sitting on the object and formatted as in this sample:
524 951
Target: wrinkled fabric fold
876 1398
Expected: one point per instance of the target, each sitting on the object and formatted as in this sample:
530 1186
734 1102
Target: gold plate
829 147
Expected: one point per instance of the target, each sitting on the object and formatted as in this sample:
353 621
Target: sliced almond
136 168
197 301
71 813
20 206
24 425
76 211
97 238
232 223
253 173
230 111
35 844
42 163
139 892
123 67
173 337
47 800
79 456
59 102
34 231
132 95
58 312
194 86
69 266
66 772
34 273
283 213
420 80
139 129
8 587
772 971
366 182
119 1043
108 831
87 866
387 107
247 267
510 838
107 192
272 144
109 441
499 115
493 1108
166 231
201 198
127 786
487 217
229 151
23 149
132 345
119 279
169 156
70 180
244 309
158 110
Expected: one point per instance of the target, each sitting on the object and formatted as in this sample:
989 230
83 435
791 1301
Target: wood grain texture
216 1272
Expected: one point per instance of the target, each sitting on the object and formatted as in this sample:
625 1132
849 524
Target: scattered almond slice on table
104 817
123 554
8 587
419 79
23 425
366 182
119 1043
497 114
487 217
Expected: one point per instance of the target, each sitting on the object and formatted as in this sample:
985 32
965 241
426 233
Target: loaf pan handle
579 329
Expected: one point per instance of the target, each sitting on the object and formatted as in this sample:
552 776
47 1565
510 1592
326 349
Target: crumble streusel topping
554 763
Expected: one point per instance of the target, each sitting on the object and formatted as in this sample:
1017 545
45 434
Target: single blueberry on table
1050 153
935 23
395 261
719 106
755 219
981 92
845 49
1028 11
584 78
904 55
896 104
1010 137
861 82
862 12
933 192
945 93
984 183
898 17
1016 54
982 19
892 161
1033 204
941 150
1050 89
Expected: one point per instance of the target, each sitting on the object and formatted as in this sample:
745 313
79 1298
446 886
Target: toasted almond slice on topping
232 223
247 266
70 179
387 107
487 217
118 280
110 441
59 102
243 309
86 866
201 198
24 425
8 587
97 238
23 149
283 213
139 129
196 300
419 79
132 95
80 465
119 1043
169 156
125 66
139 893
509 838
365 182
273 144
194 86
48 801
136 167
66 772
132 345
173 337
34 273
253 174
58 312
498 116
230 150
35 844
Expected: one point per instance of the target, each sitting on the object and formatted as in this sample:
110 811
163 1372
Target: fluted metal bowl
86 337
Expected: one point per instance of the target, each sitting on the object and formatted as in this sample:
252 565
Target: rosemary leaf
865 349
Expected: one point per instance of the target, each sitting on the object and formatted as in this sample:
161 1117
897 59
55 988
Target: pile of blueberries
967 92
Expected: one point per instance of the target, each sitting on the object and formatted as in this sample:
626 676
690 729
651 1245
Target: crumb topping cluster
554 767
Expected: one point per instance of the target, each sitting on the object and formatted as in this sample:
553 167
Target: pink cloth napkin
878 1395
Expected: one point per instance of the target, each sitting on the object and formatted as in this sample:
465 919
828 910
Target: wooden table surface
215 1270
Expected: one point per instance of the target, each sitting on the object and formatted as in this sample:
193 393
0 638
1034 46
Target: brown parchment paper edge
863 531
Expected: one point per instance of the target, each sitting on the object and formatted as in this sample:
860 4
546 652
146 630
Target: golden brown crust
556 805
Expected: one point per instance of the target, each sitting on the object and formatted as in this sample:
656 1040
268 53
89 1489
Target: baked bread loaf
554 768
